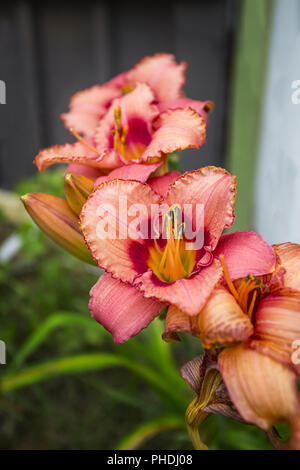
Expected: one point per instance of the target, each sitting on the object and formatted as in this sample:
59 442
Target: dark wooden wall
50 50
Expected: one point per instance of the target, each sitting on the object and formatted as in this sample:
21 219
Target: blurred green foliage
66 385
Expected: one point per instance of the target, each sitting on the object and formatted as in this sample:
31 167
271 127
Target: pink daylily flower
160 71
132 131
163 269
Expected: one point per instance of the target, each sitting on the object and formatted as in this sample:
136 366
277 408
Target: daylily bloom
173 270
252 324
160 71
132 131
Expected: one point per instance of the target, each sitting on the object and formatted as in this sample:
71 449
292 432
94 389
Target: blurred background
64 384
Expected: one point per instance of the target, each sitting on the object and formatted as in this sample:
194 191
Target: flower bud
77 190
54 217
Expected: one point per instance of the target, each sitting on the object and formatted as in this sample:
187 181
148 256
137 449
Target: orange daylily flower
252 325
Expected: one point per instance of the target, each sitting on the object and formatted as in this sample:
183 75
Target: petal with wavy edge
289 255
201 107
222 321
162 73
138 113
189 295
262 389
178 321
277 326
176 130
161 184
137 172
212 187
121 308
246 253
79 154
113 253
88 106
68 153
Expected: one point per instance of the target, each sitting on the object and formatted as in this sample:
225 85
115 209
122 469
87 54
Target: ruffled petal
222 321
161 184
201 107
107 228
289 256
277 327
262 389
246 253
161 73
121 308
68 153
137 112
189 295
178 321
88 106
212 187
176 130
137 172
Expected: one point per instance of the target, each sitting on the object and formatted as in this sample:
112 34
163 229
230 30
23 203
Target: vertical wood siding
50 50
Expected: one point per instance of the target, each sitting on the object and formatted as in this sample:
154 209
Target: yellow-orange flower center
246 291
174 261
129 152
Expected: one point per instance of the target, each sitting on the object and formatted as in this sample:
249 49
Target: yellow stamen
228 280
174 261
245 289
83 141
250 311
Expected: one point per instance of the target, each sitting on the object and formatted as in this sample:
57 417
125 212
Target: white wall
277 195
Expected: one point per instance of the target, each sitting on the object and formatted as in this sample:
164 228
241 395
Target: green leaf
41 334
170 395
148 429
174 161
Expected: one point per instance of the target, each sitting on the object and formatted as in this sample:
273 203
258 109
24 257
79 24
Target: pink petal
162 73
161 184
201 107
245 253
137 172
114 253
76 153
84 170
137 112
176 130
88 106
189 295
121 308
68 153
212 187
